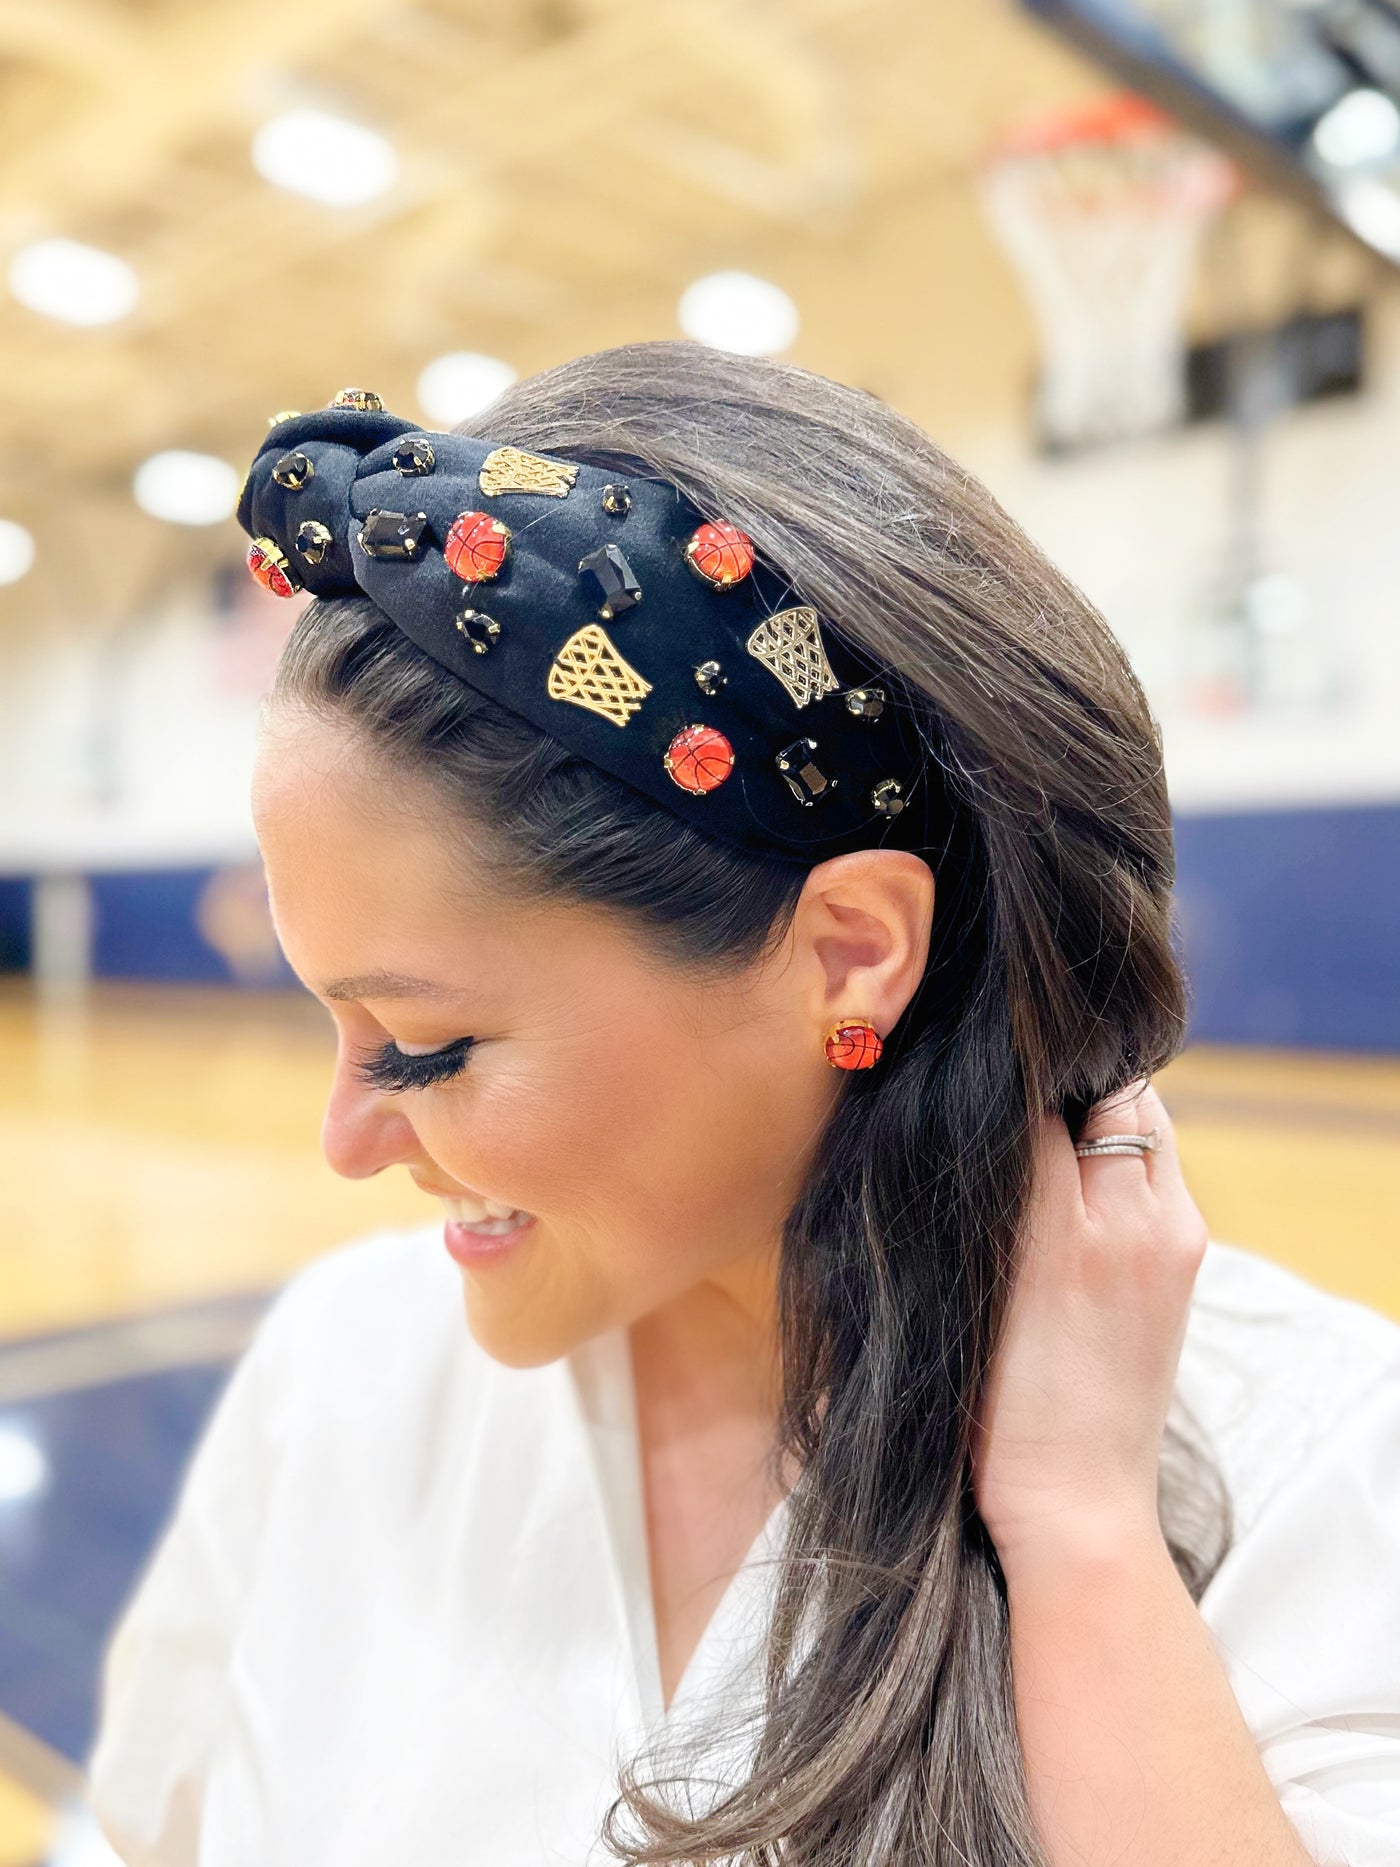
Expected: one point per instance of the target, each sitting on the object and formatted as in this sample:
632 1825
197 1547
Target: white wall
134 747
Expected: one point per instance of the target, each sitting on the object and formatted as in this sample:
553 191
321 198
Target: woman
738 868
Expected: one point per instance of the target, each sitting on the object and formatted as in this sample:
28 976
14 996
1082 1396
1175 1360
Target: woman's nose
362 1132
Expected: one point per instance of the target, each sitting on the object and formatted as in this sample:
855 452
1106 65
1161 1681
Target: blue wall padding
14 924
146 927
1290 923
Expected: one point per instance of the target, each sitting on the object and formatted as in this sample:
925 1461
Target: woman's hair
887 1731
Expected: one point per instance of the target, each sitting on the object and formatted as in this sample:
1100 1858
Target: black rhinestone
392 534
480 629
867 703
293 471
709 678
313 540
611 576
886 797
806 782
617 499
414 454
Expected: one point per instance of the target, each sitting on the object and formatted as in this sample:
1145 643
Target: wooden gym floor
158 1153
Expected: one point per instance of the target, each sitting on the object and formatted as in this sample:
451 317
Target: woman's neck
705 1377
712 1352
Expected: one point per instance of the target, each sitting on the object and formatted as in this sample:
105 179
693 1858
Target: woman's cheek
491 1127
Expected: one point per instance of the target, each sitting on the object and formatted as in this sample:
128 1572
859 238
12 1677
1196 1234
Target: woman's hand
1135 1746
1077 1396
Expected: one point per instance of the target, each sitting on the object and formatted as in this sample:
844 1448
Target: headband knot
611 614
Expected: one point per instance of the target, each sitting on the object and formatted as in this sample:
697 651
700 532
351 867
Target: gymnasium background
212 211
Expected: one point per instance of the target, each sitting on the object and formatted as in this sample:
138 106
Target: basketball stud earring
853 1044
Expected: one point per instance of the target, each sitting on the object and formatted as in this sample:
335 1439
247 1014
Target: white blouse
402 1612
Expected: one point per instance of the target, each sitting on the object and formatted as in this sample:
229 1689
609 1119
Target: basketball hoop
1101 210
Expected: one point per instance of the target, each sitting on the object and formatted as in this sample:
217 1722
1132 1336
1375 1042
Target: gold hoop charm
790 646
589 672
512 470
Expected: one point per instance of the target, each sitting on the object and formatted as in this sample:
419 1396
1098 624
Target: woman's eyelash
391 1070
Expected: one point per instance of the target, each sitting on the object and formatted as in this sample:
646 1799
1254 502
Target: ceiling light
24 1470
79 284
461 384
736 311
327 157
1363 127
187 489
1371 208
16 551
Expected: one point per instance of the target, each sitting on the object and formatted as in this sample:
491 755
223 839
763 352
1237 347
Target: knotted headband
607 612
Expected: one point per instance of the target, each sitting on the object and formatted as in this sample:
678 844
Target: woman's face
658 1127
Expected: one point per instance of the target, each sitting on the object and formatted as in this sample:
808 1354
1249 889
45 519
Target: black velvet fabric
541 601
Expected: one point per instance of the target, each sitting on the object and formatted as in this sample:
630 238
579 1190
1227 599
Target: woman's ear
865 920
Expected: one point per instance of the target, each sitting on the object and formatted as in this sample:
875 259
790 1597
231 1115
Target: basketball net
1101 211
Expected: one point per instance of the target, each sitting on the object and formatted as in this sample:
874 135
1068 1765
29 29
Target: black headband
606 612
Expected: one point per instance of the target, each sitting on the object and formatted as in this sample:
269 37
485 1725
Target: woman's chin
517 1336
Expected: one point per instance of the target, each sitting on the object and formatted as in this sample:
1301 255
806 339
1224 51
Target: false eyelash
391 1070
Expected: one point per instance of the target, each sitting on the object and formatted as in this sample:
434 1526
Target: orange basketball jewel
699 758
720 553
476 546
852 1044
270 567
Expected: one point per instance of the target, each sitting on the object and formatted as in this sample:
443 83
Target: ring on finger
1120 1144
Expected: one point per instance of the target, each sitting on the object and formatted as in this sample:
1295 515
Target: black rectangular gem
610 580
392 534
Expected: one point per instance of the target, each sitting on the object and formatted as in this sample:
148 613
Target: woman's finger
1055 1191
1167 1179
1116 1183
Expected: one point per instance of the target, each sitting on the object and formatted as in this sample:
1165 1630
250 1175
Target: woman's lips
484 1241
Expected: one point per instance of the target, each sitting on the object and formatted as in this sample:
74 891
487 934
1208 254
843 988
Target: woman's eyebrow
386 985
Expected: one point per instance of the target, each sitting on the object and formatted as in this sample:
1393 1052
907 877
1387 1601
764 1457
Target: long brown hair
887 1731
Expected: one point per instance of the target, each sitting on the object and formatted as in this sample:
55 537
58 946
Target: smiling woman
567 1046
763 1038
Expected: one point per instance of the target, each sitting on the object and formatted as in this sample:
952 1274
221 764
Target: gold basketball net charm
790 646
509 470
589 672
